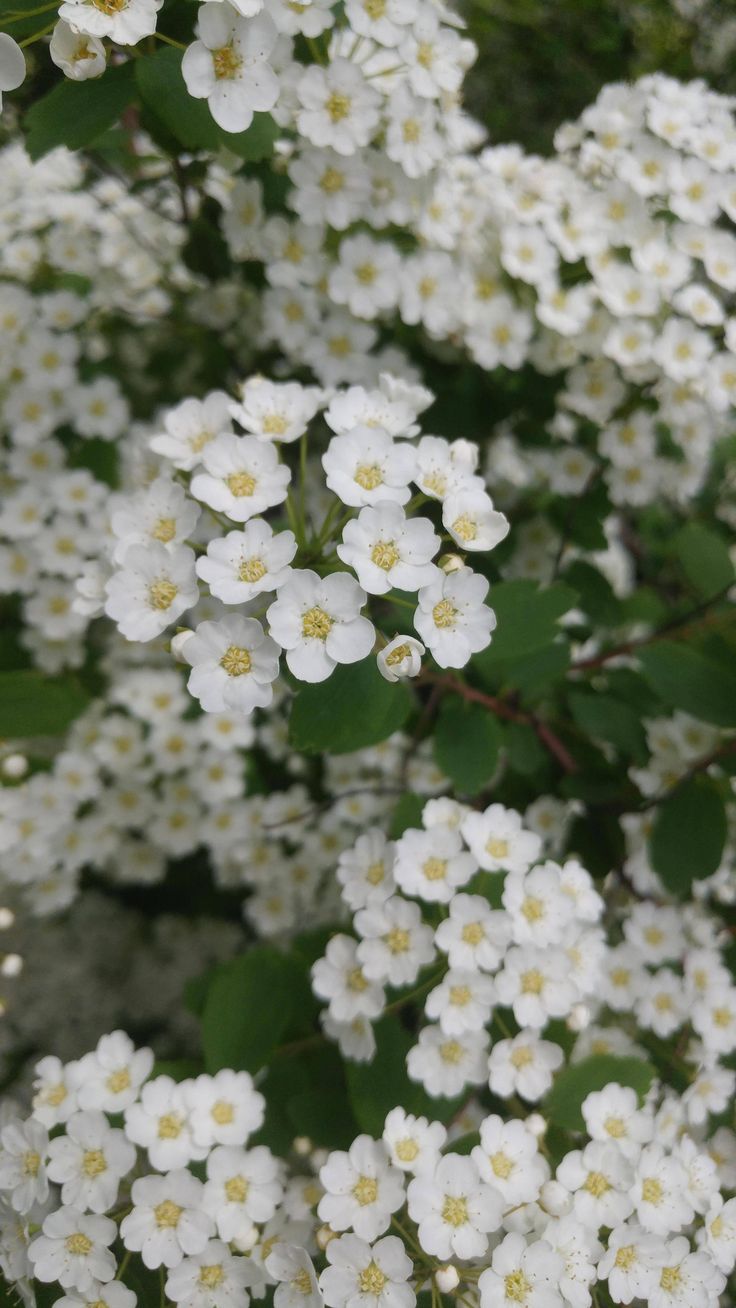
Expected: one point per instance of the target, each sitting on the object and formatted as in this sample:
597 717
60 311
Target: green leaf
604 717
689 680
571 1086
466 744
34 705
597 598
704 557
526 754
354 708
164 92
408 813
249 1005
76 114
526 616
377 1087
688 835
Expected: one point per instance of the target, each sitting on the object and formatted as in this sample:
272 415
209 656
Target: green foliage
608 718
571 1086
77 114
689 833
354 708
408 813
704 557
249 1005
467 741
377 1087
34 705
688 679
527 616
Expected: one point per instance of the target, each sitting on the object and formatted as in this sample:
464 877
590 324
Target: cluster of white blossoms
611 263
117 1169
168 539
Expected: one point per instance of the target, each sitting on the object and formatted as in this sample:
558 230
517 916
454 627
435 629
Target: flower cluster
115 1165
167 540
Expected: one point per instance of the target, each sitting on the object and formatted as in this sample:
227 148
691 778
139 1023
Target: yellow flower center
502 1165
651 1191
117 1082
211 1275
616 1127
222 1112
532 909
227 63
371 1279
252 570
472 933
497 848
460 996
236 661
435 869
94 1162
454 1210
365 1190
532 982
167 1214
31 1162
316 624
516 1287
162 593
385 555
241 484
369 476
626 1257
407 1150
332 180
78 1244
596 1184
236 1189
338 106
398 940
465 527
451 1052
170 1126
165 530
670 1278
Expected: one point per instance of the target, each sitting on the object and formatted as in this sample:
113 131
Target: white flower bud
12 965
451 563
14 767
178 642
555 1199
536 1124
578 1017
324 1235
446 1278
7 918
302 1145
402 657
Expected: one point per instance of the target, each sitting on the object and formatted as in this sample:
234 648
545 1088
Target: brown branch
685 625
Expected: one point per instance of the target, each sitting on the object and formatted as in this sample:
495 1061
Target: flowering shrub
368 698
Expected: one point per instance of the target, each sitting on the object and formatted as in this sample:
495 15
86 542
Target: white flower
365 871
362 1189
632 1263
499 842
211 1278
599 1178
473 936
227 66
276 411
73 1250
234 664
160 1123
523 1273
454 1210
55 1098
112 1295
365 466
472 521
78 55
659 1192
162 512
461 1002
365 276
363 1276
718 1233
317 621
89 1161
224 1109
291 1266
613 1114
339 978
540 912
126 23
413 1143
12 65
242 564
508 1159
432 864
153 588
242 1188
190 427
386 549
452 618
23 1151
444 1065
401 657
395 942
338 107
242 476
687 1280
536 983
110 1078
167 1221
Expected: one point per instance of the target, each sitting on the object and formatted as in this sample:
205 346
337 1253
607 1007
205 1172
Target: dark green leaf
689 680
408 813
249 1005
354 708
526 754
606 718
34 705
163 91
595 593
688 835
377 1087
466 744
76 114
575 1082
526 617
704 557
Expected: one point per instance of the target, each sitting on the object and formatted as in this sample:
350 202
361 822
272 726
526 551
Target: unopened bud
302 1145
324 1235
451 562
7 918
12 965
178 642
536 1124
555 1199
578 1018
246 1243
14 767
446 1279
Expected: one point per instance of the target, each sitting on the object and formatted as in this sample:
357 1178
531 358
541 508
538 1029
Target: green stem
169 40
43 31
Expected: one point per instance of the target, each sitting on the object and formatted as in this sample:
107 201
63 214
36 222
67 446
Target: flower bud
402 657
12 965
324 1235
14 767
555 1199
7 918
451 562
536 1124
446 1279
578 1017
178 642
302 1145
